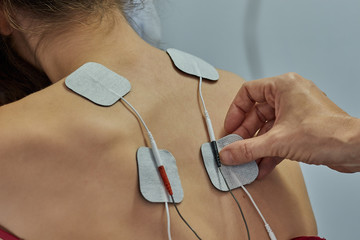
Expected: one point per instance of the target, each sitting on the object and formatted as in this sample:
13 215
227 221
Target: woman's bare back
69 166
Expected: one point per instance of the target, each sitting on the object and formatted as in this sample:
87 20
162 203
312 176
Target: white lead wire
156 155
151 138
267 226
212 138
137 114
168 220
206 114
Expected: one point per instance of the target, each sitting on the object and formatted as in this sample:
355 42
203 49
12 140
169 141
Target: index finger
256 91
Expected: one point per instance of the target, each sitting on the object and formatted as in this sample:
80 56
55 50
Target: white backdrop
258 38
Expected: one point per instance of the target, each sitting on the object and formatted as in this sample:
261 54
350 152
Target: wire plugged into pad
151 184
216 154
216 158
192 65
235 175
163 174
213 144
104 87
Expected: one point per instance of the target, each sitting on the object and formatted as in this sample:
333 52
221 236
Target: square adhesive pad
98 84
151 185
235 175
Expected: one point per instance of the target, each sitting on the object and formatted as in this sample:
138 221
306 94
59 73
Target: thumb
245 151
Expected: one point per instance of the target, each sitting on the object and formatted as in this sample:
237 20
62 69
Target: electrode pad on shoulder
105 87
235 175
151 185
192 65
98 84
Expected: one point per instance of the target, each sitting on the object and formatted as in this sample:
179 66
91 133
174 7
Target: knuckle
245 84
292 77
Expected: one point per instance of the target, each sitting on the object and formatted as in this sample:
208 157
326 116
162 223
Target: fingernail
226 157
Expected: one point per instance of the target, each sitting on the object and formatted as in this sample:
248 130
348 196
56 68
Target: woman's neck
111 42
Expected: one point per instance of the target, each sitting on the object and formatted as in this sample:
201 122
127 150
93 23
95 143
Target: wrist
335 143
354 138
351 145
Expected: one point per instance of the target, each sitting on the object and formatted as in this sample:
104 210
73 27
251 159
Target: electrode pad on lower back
189 64
151 185
98 84
235 175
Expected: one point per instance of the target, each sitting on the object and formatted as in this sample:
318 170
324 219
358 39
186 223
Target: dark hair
18 78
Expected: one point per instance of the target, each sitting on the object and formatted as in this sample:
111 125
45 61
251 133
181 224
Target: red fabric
308 238
7 236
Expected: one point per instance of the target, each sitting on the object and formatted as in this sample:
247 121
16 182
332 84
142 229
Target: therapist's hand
289 117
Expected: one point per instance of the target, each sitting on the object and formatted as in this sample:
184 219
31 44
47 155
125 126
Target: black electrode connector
216 153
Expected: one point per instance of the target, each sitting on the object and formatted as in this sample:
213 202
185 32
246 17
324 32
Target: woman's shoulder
15 124
54 118
29 123
227 86
23 136
287 178
230 76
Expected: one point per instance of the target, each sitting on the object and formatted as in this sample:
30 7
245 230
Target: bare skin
69 169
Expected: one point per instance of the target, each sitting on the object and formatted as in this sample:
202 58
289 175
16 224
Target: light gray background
259 38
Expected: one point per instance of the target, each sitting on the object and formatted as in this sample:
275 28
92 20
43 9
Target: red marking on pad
165 179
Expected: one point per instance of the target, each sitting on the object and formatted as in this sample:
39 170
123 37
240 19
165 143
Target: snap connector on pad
235 175
98 84
151 185
192 65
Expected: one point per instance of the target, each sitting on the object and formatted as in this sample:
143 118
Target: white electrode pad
192 65
235 175
98 84
151 185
